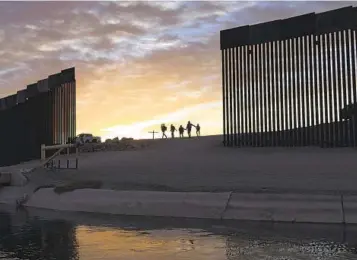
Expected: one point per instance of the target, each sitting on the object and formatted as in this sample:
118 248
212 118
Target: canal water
41 234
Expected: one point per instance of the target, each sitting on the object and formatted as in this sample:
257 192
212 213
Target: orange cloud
138 64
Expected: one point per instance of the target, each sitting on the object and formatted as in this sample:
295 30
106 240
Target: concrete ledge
300 208
145 203
285 207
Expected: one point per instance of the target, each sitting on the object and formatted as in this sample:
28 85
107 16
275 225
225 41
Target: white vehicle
88 138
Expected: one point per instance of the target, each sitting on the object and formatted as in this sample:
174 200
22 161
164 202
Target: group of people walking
181 130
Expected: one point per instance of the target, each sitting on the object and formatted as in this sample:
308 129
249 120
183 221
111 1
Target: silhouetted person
172 130
181 130
198 130
189 128
163 130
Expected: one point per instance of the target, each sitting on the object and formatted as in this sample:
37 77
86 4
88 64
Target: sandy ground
203 164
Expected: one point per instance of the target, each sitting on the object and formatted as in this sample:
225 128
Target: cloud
134 60
140 129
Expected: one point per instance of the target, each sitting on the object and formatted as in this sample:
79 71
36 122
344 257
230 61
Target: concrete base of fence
299 208
286 208
145 203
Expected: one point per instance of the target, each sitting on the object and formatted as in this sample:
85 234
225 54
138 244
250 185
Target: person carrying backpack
189 128
172 130
163 130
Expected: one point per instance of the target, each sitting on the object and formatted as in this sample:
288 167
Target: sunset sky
138 64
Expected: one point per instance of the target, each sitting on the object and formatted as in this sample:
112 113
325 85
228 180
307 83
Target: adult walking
172 130
181 130
163 130
189 128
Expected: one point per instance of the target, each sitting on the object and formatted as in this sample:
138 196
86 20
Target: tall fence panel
291 82
45 116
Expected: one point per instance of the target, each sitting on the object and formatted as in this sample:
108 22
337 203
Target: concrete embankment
235 206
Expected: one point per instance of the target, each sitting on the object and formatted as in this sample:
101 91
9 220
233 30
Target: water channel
42 234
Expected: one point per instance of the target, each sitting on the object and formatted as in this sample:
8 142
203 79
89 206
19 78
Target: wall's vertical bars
281 93
324 104
354 85
224 97
245 94
31 122
317 90
335 108
309 92
235 95
75 107
276 94
59 114
53 114
255 95
229 105
250 95
65 113
312 75
268 93
290 92
302 90
286 92
62 113
59 123
55 117
321 88
344 87
339 89
297 73
349 87
306 87
260 93
272 93
73 131
230 94
330 104
70 111
294 90
240 93
228 99
263 93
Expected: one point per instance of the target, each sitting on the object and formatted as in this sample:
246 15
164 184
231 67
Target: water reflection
58 235
37 240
